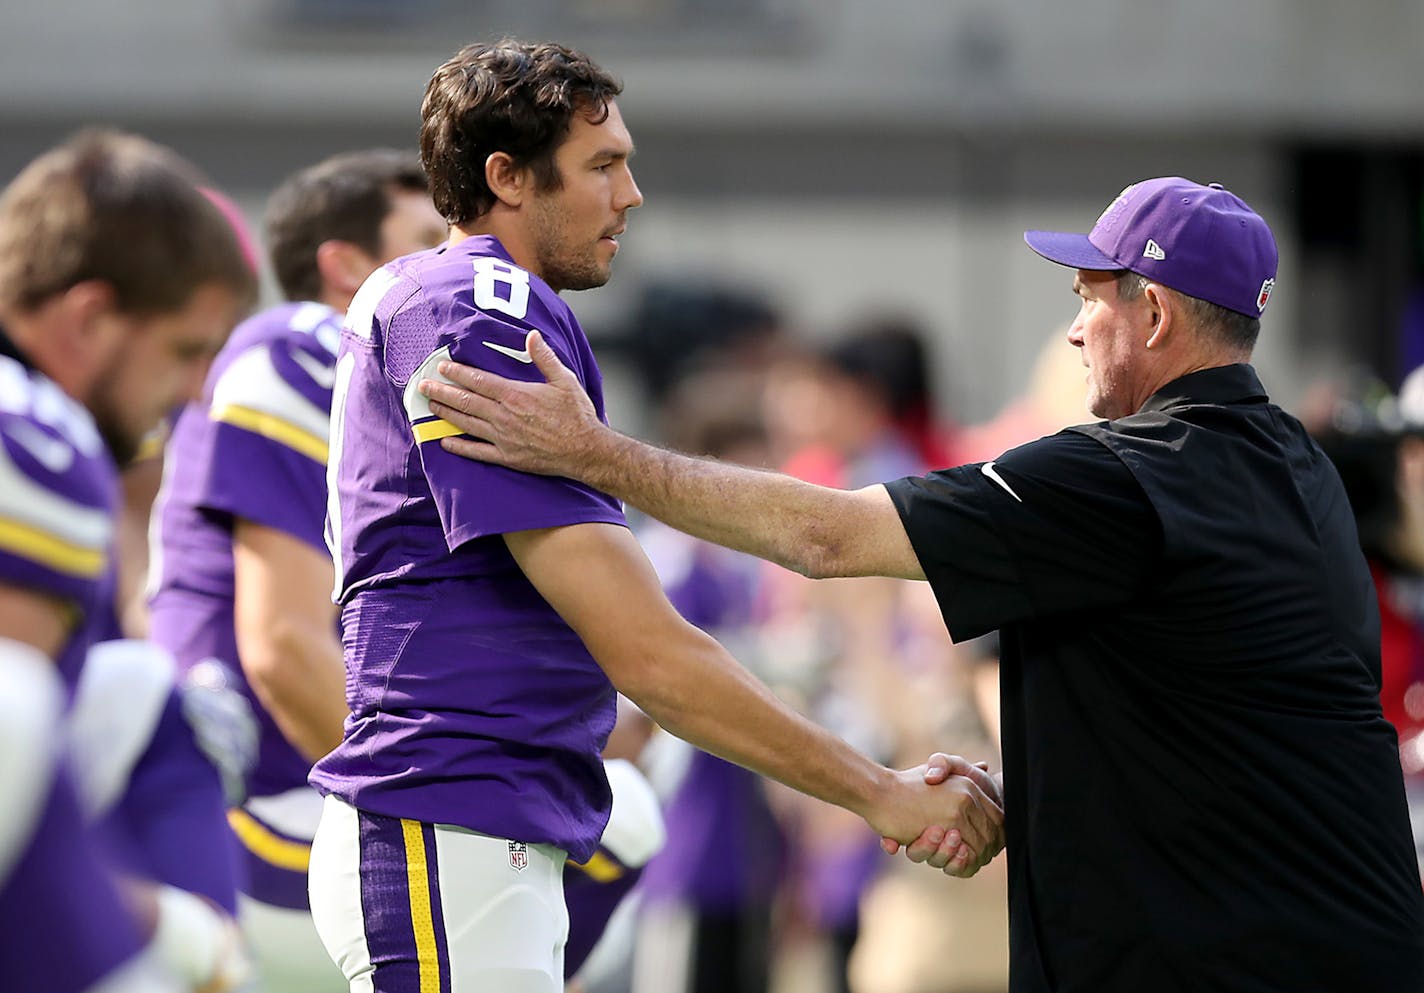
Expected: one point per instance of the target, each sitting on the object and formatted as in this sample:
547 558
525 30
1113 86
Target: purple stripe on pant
396 930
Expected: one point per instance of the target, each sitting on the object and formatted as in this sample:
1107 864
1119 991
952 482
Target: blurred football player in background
119 281
241 571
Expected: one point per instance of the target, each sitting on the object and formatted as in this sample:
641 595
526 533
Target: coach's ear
1160 314
509 182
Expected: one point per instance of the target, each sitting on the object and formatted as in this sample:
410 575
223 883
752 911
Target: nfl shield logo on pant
518 855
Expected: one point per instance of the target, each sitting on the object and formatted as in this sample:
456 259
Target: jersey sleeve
265 448
58 497
1056 526
476 500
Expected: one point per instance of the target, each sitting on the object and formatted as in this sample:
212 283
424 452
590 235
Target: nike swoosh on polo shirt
988 469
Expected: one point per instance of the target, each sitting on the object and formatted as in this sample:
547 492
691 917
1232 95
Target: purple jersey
58 497
255 450
64 924
472 702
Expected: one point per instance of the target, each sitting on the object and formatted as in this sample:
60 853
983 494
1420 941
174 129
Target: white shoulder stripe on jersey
34 396
363 306
251 394
425 425
41 523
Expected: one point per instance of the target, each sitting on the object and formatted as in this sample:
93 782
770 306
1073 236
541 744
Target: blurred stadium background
827 161
834 156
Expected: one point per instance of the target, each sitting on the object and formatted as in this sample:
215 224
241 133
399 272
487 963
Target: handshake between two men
947 812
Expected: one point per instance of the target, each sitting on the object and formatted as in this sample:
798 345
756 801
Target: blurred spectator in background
1051 400
706 923
1376 441
867 657
679 328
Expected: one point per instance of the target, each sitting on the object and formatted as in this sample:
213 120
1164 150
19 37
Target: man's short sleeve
476 500
1054 526
265 444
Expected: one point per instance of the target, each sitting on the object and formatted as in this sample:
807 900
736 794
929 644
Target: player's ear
506 180
86 329
92 321
343 266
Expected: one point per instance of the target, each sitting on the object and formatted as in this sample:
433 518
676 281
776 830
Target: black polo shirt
1201 791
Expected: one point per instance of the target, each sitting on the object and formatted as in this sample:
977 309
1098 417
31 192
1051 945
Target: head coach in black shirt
1200 791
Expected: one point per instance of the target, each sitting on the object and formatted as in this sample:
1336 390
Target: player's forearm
298 676
710 701
804 527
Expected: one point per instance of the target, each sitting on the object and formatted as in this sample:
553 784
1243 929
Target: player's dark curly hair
507 97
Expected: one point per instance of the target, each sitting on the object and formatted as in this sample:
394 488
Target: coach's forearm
804 527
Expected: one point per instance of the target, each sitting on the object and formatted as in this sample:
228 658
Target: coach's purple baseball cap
1199 240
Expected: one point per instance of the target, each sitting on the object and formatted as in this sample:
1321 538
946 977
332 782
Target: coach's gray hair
1231 328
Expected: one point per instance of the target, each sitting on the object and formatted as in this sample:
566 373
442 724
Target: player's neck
502 228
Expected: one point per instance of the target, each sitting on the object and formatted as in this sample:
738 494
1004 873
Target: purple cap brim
1070 249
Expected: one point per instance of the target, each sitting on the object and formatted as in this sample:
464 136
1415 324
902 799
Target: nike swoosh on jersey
515 354
322 374
52 453
988 469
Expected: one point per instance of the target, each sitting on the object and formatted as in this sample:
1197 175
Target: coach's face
575 228
1112 335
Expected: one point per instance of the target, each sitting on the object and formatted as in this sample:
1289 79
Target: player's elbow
661 674
273 662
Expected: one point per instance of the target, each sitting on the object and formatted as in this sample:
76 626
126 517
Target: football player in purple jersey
488 615
118 282
241 571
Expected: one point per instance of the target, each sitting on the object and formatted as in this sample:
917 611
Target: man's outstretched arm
550 428
597 578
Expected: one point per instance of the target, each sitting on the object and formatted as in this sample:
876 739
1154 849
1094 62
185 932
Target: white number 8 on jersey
489 275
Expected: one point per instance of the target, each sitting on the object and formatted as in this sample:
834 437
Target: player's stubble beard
563 263
119 437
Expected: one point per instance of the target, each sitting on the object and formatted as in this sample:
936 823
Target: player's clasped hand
978 832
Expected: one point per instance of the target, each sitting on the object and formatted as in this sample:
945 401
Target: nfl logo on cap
518 855
1265 293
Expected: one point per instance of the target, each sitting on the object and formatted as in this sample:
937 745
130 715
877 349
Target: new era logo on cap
1153 251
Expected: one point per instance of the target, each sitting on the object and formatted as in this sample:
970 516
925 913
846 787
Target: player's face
161 363
1112 337
574 229
412 225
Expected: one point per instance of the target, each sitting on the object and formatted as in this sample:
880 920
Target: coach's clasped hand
968 829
